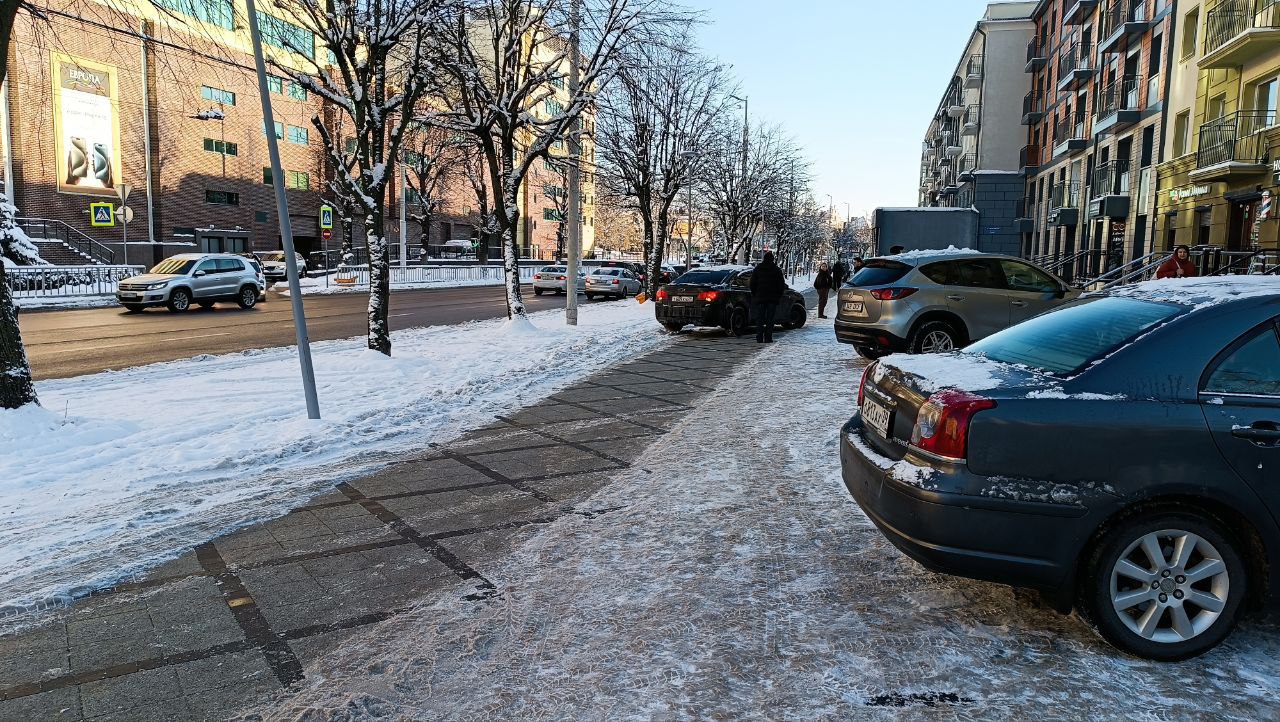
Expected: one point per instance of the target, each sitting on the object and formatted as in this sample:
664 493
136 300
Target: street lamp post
689 155
746 144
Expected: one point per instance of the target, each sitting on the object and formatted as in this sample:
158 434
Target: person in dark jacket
767 286
839 274
1179 265
822 284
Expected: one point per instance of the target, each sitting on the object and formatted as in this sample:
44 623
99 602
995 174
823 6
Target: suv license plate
682 299
876 416
852 307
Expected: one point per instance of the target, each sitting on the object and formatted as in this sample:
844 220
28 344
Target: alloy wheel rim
937 342
181 301
1169 586
248 296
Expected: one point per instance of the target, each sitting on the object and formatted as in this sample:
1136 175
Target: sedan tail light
862 383
662 295
892 294
615 282
561 278
708 296
537 276
942 424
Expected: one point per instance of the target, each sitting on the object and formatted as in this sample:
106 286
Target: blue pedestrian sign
326 217
102 215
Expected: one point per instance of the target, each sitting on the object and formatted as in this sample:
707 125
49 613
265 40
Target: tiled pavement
260 608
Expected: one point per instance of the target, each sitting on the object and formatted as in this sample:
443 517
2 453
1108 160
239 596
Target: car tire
537 291
179 300
737 324
1118 571
134 307
799 314
871 354
935 337
591 296
247 298
673 327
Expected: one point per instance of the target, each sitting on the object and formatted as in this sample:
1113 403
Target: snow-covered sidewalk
121 470
738 580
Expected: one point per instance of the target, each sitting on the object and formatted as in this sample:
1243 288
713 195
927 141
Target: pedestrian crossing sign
326 217
102 215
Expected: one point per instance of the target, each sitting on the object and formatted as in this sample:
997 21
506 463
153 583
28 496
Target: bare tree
739 194
435 158
656 121
374 75
500 78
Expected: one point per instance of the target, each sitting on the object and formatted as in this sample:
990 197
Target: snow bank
124 469
15 245
1201 292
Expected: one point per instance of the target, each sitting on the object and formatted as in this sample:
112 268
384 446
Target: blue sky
856 82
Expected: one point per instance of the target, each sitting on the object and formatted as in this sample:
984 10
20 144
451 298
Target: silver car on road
200 278
935 301
552 279
616 282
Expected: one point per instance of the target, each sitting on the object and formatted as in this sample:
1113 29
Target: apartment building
1221 171
970 153
1095 125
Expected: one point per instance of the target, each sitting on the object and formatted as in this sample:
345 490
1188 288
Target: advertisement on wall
86 126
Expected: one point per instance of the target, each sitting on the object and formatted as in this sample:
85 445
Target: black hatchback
1121 454
720 296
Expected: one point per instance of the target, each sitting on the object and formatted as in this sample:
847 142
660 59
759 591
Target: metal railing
1120 94
1236 137
1033 103
1139 269
1065 195
55 230
1231 18
1075 58
1069 131
1215 261
1120 12
972 116
1111 179
436 274
66 281
973 68
1029 156
1035 49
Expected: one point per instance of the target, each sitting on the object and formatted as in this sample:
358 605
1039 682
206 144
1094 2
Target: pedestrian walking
822 284
858 264
839 274
1179 265
767 287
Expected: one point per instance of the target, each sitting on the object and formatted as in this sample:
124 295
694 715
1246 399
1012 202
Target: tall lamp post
746 146
689 155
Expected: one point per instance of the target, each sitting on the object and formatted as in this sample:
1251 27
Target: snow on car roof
1201 292
934 372
722 268
931 253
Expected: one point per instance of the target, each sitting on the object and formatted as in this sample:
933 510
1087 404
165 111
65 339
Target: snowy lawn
740 581
121 470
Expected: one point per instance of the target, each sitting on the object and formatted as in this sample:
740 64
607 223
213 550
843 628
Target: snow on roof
1201 292
928 253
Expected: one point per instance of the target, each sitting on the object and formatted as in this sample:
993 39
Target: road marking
135 343
398 315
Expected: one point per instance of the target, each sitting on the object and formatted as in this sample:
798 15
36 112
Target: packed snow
120 470
1201 292
959 370
928 254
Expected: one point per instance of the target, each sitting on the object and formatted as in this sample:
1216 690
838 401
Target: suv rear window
878 272
1065 341
704 278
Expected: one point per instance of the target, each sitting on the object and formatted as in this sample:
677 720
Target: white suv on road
200 278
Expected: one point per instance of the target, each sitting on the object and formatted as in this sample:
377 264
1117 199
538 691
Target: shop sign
86 126
1179 194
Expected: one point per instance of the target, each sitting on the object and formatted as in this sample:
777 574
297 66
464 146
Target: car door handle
1260 431
955 298
1019 304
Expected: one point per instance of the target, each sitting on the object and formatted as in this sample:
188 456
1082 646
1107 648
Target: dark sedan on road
720 296
1121 454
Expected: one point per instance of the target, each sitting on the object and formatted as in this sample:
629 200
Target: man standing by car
767 286
839 274
822 284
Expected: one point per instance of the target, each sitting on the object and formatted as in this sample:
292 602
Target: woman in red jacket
1179 265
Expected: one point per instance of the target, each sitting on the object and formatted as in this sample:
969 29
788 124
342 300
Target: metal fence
359 275
66 281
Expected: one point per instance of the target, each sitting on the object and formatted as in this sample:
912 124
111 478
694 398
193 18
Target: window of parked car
1022 277
977 273
1252 368
703 278
742 280
230 265
179 266
940 273
553 269
210 266
1065 341
878 272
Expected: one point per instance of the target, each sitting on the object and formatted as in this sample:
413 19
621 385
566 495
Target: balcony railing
1032 107
1065 195
1120 94
1068 131
1036 57
1029 156
1235 138
1232 18
974 67
1076 57
972 120
1120 12
1111 179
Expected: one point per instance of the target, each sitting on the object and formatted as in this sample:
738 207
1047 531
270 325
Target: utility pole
404 222
573 207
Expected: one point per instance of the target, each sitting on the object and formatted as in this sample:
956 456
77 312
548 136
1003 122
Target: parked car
934 301
616 282
635 267
553 279
201 278
274 267
720 296
669 274
1120 454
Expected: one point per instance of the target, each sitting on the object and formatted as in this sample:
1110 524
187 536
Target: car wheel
134 307
1164 586
179 300
935 337
537 291
871 354
248 297
799 314
206 305
591 296
737 322
673 327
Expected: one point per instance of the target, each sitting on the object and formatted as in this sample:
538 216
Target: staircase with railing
64 244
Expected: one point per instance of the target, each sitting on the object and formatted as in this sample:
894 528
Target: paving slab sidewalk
257 610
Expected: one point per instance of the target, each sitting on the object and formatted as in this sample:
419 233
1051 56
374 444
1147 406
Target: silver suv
934 301
200 278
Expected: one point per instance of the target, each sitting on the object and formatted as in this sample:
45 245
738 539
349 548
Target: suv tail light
708 296
892 294
942 424
862 383
662 295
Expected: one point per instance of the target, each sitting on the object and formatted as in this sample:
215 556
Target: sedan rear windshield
1065 341
177 266
878 272
553 269
704 278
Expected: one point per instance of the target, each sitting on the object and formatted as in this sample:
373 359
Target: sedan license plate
876 416
682 299
853 307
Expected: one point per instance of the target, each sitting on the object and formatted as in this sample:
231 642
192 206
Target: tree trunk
511 256
653 262
16 388
348 241
379 284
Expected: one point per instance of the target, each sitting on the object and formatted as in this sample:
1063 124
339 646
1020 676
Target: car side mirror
198 274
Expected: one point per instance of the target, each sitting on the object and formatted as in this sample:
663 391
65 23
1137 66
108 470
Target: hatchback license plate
853 307
876 416
682 299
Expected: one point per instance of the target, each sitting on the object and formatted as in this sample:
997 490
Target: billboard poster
86 126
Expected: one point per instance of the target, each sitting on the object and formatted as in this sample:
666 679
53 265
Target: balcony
1075 66
1037 55
1070 137
1023 219
972 121
1078 11
1032 108
1029 159
1064 204
1121 20
1233 146
965 166
1119 104
1109 190
1237 31
973 72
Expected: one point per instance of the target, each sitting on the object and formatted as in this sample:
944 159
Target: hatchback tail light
892 294
942 424
708 296
662 294
862 383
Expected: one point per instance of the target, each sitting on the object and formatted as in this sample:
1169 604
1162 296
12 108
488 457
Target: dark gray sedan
1120 454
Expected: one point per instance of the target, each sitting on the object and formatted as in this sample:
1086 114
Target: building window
1182 134
297 180
213 12
552 167
1264 101
267 178
553 191
217 95
1204 225
1217 106
1190 26
222 198
351 146
297 135
275 85
553 107
285 35
279 129
260 217
557 83
219 146
296 91
551 214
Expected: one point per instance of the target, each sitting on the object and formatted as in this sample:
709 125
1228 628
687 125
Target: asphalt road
74 342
